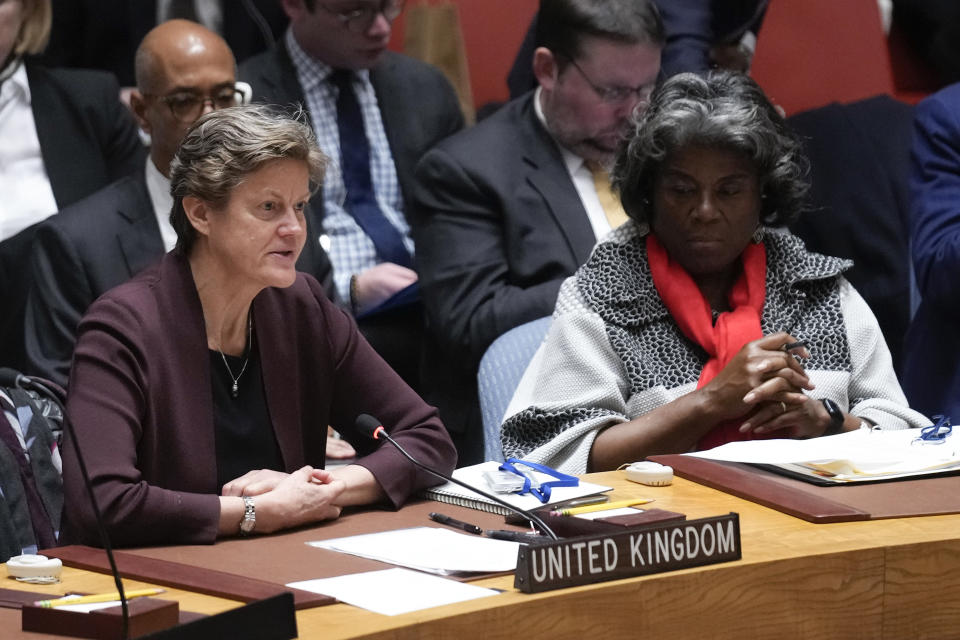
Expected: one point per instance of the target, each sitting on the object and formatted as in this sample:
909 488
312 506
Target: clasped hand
289 499
765 384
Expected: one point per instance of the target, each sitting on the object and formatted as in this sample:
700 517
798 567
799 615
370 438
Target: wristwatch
249 521
836 416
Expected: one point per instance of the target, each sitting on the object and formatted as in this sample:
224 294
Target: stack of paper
855 456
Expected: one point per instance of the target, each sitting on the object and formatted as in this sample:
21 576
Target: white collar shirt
158 186
581 177
24 183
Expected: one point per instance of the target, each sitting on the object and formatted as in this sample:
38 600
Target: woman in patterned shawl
701 320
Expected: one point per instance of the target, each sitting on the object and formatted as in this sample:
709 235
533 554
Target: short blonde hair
35 28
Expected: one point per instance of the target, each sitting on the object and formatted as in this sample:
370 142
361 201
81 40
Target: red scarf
733 329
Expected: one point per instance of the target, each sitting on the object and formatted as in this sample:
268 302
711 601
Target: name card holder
636 551
147 615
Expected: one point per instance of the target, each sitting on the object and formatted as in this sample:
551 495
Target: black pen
457 524
795 345
523 537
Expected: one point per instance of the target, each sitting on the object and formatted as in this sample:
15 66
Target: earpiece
650 473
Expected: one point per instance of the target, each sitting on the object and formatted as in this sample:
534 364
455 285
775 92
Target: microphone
11 378
371 427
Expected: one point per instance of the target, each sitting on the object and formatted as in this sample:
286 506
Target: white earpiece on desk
34 568
650 473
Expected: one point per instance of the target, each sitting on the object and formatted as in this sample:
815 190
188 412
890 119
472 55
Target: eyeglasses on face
359 16
614 95
187 106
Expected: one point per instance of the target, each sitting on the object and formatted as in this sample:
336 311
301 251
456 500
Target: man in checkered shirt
406 107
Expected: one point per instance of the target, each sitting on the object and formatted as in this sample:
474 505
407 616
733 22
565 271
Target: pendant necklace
236 380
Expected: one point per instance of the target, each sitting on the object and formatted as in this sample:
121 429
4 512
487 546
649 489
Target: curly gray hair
720 109
225 146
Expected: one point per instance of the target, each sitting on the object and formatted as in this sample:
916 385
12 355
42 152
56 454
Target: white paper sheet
437 550
863 444
90 606
860 453
394 591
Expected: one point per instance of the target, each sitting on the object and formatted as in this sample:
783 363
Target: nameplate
637 551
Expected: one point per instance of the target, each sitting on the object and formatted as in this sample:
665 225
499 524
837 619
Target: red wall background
492 32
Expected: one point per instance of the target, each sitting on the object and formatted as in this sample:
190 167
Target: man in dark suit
507 210
375 113
183 71
931 372
859 164
105 34
63 135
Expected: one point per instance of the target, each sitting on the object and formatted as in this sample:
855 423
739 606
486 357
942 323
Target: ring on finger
783 406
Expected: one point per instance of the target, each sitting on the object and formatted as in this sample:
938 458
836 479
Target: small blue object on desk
937 432
543 491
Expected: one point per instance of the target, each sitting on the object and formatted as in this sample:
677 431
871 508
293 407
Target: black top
244 433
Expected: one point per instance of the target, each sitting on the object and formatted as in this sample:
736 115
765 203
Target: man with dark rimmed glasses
375 113
507 210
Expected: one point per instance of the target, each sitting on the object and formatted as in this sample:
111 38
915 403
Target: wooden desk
892 579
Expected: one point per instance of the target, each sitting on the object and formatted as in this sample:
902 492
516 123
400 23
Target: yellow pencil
616 504
99 597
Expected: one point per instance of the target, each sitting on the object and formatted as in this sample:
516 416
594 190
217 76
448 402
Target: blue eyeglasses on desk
937 432
543 491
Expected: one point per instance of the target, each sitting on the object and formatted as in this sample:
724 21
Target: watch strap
836 416
249 521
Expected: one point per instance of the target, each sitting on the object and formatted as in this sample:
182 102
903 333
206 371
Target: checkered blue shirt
351 250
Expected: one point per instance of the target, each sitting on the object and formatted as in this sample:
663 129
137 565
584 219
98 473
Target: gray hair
224 146
722 110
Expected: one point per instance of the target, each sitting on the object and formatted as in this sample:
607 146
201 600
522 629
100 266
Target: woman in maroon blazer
201 390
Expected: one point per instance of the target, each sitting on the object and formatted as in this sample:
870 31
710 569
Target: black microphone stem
102 530
526 514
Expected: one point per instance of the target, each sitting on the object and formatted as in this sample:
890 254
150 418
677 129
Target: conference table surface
891 579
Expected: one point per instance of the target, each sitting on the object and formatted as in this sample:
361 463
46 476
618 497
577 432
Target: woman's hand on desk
304 496
255 482
339 449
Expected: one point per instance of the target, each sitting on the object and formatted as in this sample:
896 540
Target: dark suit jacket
88 249
419 108
931 373
859 161
142 407
105 34
498 226
88 139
